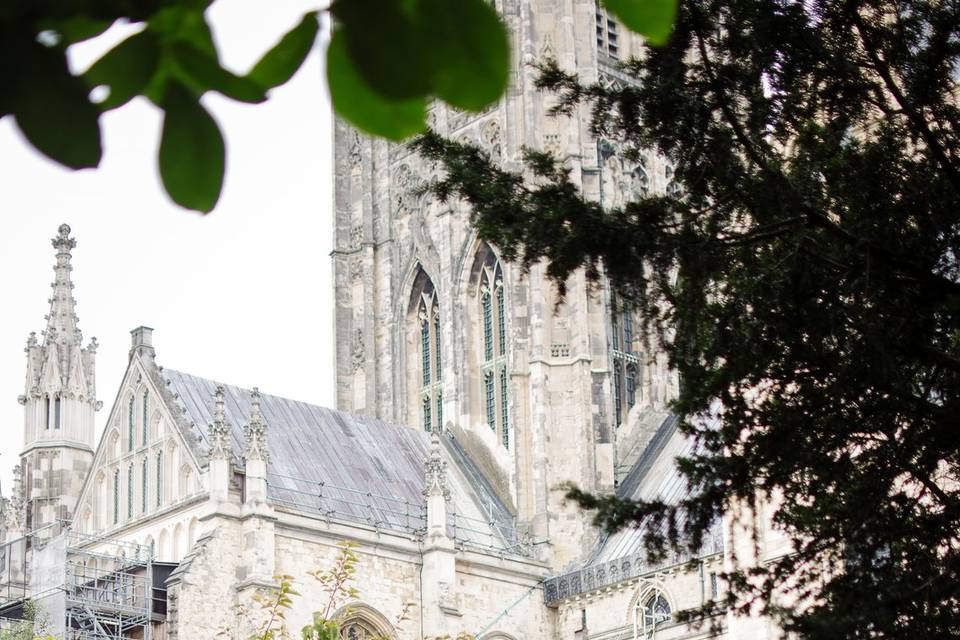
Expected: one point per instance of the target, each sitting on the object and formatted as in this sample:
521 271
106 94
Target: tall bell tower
59 403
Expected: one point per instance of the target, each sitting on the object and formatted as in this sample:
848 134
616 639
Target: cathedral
466 393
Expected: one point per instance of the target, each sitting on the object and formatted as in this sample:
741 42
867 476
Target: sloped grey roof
622 556
350 467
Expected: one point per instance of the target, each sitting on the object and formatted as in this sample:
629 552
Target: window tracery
493 366
430 393
427 320
651 613
625 360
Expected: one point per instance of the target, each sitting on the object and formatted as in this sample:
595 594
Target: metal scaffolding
85 587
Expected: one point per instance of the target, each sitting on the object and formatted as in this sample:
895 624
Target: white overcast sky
242 295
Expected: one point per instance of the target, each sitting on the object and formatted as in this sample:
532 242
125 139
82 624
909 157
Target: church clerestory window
624 358
493 348
431 357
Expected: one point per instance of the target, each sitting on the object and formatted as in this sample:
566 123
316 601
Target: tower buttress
59 403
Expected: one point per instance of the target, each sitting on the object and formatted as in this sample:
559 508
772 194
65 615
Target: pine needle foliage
804 283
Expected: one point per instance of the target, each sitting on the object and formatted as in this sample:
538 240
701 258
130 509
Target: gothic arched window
362 622
116 496
493 363
146 423
430 357
159 473
130 491
652 612
624 360
131 421
143 486
56 412
425 319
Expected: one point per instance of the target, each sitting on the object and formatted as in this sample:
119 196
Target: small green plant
35 624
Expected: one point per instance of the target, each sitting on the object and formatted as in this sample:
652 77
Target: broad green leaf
204 73
280 63
387 46
191 151
52 110
77 28
355 101
126 69
652 19
471 48
184 22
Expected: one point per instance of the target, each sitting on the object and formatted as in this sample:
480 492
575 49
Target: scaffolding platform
79 587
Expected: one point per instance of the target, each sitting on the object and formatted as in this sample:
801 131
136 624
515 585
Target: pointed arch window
144 428
159 473
56 412
427 319
652 612
46 413
624 359
131 421
130 491
116 496
493 345
144 471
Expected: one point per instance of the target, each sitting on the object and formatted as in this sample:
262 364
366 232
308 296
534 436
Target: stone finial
32 340
255 432
436 471
63 241
219 430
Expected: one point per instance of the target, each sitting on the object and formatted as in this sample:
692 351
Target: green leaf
356 102
652 19
191 151
52 110
77 28
126 69
280 63
472 50
387 46
204 73
184 22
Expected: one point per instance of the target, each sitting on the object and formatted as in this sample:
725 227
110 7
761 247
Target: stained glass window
490 394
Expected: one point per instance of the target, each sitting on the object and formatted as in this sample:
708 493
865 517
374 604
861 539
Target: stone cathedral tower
59 402
434 331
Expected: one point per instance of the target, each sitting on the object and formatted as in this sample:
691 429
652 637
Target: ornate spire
219 430
57 364
62 320
255 432
436 471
